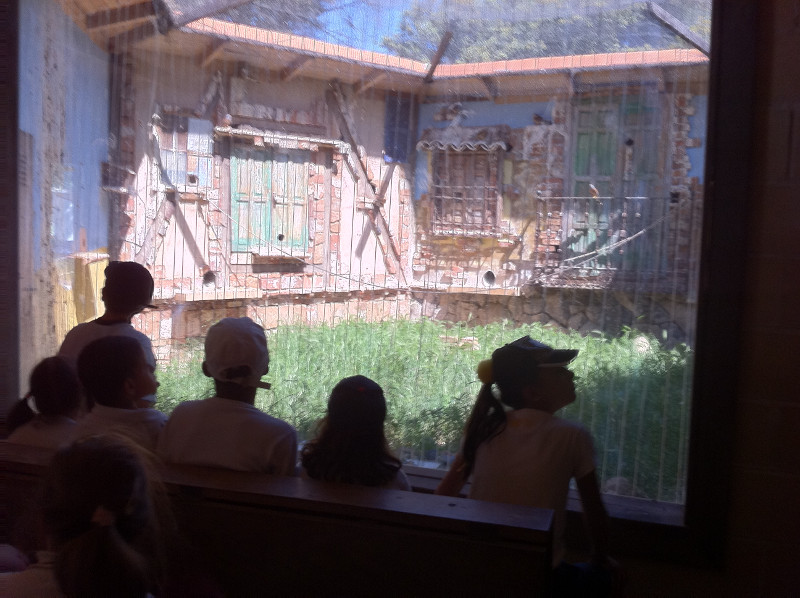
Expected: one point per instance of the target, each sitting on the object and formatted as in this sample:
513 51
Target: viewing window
388 190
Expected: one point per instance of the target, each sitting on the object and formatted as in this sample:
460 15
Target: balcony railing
621 242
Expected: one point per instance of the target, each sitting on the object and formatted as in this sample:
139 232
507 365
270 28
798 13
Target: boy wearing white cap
227 430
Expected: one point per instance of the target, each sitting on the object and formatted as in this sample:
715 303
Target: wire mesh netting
389 188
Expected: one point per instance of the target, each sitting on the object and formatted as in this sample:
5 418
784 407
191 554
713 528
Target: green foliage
632 392
183 380
291 16
490 30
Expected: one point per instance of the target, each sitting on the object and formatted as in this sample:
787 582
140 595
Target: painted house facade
266 174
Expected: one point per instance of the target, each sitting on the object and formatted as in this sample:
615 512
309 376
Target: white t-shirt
83 334
51 434
531 462
143 426
217 432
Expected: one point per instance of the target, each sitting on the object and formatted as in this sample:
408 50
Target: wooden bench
266 534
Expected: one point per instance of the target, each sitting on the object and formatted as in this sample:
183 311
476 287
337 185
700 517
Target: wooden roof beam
212 52
119 42
294 68
117 16
437 58
369 81
680 28
490 83
181 12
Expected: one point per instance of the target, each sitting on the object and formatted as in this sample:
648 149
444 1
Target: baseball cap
128 284
233 343
518 360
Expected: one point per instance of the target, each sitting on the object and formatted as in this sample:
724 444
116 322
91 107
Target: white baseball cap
233 343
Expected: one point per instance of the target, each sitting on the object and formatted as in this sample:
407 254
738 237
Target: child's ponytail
54 391
20 414
487 419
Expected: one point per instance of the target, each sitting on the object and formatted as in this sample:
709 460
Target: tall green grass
632 393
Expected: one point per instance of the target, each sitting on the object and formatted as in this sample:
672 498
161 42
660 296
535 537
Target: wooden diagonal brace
346 126
336 103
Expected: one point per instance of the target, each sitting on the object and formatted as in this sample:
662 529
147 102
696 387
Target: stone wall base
178 328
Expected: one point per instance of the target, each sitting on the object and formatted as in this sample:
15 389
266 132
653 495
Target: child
227 430
45 416
103 524
128 290
518 452
115 375
351 446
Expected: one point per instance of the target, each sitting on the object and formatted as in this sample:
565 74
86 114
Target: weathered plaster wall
294 107
526 247
344 256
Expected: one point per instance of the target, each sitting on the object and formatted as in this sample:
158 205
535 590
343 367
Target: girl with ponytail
515 450
45 416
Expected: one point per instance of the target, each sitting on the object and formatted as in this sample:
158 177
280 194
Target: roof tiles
249 34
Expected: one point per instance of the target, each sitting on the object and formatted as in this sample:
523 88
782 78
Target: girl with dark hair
517 451
351 445
103 514
45 417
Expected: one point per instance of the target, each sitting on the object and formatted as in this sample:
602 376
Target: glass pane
360 213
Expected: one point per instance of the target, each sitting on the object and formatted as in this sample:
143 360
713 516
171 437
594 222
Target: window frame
728 179
631 179
701 540
492 207
281 247
185 160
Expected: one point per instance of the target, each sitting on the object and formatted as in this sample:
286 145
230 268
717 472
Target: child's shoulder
569 425
275 423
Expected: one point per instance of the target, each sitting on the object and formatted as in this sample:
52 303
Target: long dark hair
54 391
350 445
